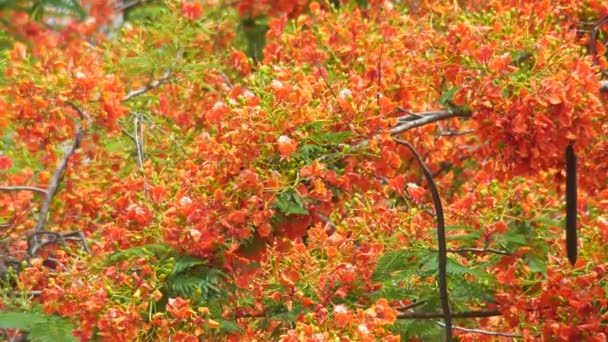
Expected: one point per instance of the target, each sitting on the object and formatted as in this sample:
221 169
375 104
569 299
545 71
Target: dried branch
379 67
421 119
483 332
441 241
60 170
410 116
35 241
327 221
455 133
126 5
138 137
410 306
153 84
22 188
461 314
333 94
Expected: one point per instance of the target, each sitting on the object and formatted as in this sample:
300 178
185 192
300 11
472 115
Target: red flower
191 10
5 163
286 146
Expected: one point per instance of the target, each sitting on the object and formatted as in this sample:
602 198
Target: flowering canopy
243 171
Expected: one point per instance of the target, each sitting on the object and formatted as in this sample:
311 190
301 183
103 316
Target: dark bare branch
441 241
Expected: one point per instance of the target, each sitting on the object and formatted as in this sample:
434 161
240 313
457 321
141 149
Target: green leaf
391 262
230 327
160 251
331 138
289 202
40 327
446 98
254 30
185 262
536 264
454 267
57 7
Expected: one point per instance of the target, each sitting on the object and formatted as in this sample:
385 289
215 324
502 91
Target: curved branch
60 170
441 241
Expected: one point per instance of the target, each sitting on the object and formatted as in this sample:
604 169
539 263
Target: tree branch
483 332
461 314
441 241
153 84
22 188
604 86
424 119
60 170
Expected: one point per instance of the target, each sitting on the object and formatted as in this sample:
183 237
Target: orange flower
286 146
191 10
5 162
417 192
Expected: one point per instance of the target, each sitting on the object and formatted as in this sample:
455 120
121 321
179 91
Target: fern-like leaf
159 251
185 262
40 327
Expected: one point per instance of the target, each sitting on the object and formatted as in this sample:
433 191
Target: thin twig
139 146
153 84
327 84
441 241
455 133
60 170
410 306
425 119
22 188
413 120
483 332
379 67
461 314
127 5
478 250
405 315
325 219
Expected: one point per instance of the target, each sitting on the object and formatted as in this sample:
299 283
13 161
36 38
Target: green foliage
446 100
186 276
190 278
289 202
422 330
41 7
37 9
159 251
399 270
254 31
40 327
146 13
